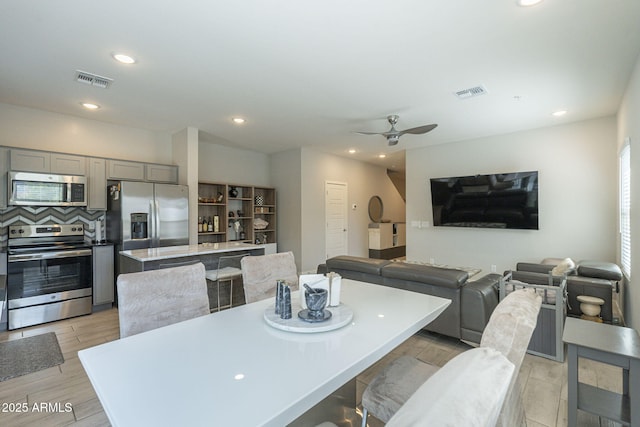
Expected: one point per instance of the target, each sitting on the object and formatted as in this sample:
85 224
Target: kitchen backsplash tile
29 215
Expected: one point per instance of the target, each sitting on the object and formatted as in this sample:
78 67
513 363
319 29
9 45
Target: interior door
336 234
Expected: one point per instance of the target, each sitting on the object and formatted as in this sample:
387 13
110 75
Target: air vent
93 79
471 92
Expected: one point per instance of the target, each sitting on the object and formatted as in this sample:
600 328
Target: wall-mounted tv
500 200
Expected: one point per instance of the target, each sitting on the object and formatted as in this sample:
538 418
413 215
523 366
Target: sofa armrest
479 299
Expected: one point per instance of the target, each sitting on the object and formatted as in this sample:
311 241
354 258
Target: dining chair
152 299
260 274
469 390
509 331
229 269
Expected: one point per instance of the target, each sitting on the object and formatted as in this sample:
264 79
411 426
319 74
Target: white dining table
231 368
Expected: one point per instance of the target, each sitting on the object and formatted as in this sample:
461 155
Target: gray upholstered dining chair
260 273
509 331
229 269
152 299
469 390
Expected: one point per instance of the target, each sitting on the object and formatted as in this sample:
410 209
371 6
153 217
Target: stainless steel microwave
43 189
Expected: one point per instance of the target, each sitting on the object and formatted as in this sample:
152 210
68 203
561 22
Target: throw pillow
566 266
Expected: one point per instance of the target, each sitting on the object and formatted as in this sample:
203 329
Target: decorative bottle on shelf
210 225
216 224
199 224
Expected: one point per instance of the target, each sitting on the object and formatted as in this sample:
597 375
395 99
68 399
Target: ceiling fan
393 135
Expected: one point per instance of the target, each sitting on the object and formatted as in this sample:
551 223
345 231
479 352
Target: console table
614 345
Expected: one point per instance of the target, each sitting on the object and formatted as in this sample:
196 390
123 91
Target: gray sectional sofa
472 302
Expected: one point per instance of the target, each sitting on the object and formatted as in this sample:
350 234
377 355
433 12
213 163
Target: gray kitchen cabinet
30 161
67 164
161 173
125 170
97 184
4 168
46 162
103 275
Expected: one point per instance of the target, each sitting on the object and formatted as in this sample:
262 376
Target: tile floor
544 381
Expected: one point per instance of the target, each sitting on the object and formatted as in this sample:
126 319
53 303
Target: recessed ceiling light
90 105
238 120
123 58
526 3
382 156
352 151
559 113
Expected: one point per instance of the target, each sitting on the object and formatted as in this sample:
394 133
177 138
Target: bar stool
228 270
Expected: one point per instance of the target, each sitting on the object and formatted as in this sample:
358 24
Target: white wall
219 163
577 166
363 181
286 178
629 127
42 130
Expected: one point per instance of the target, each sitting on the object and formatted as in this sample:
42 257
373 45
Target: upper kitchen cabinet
161 173
134 171
45 162
97 184
124 170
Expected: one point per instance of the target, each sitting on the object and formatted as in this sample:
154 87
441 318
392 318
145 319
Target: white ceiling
310 73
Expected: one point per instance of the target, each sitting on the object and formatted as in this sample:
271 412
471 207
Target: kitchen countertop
153 254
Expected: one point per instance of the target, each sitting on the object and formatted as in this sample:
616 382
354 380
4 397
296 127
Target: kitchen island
174 256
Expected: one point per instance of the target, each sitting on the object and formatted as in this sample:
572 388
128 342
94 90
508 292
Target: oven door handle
49 255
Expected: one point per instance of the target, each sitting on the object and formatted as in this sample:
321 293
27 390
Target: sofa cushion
600 270
354 263
436 276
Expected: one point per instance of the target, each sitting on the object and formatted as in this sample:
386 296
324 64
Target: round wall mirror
375 208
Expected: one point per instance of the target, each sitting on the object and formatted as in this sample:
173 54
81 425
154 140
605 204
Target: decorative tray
341 315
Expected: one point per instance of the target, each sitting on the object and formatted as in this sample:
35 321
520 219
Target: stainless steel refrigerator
146 215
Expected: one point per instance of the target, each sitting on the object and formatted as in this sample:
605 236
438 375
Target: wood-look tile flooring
544 381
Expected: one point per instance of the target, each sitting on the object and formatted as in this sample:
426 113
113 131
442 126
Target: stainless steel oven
49 274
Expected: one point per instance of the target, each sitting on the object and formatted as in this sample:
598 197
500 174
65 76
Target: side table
614 345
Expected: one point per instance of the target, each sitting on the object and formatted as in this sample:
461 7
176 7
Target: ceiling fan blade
370 133
419 130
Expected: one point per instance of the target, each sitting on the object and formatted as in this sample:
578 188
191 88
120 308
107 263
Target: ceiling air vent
471 92
93 79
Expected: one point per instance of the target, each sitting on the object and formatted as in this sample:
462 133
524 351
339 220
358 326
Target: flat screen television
500 200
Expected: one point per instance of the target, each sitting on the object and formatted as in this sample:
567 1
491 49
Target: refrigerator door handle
152 223
157 220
